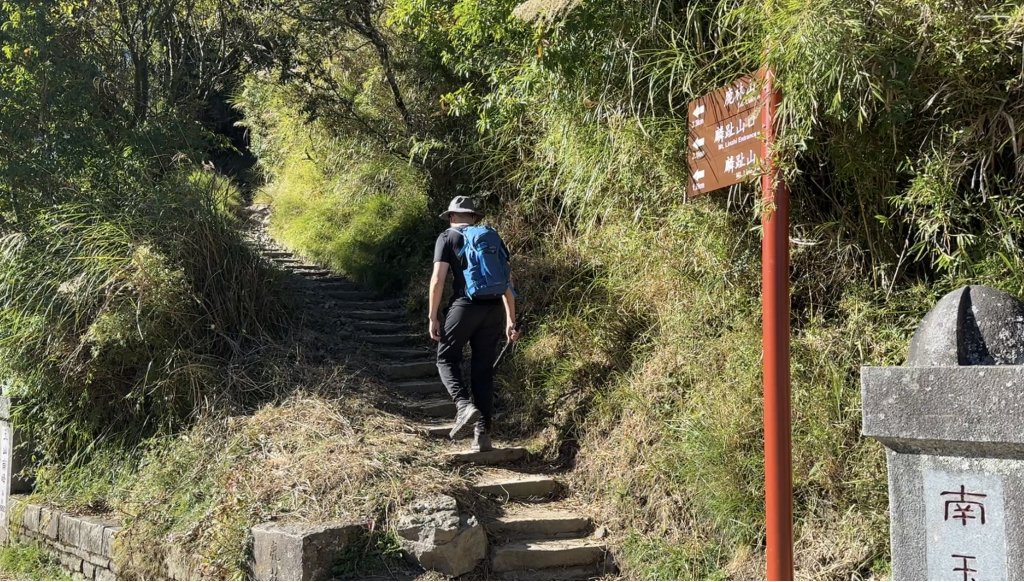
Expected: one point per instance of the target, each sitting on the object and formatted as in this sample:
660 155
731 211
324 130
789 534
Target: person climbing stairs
538 532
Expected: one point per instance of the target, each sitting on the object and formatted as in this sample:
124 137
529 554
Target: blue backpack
485 262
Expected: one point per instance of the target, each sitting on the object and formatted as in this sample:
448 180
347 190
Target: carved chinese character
965 565
962 508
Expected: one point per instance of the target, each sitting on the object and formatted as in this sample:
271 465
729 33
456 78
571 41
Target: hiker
482 310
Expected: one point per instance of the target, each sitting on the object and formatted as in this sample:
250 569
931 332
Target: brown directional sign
724 141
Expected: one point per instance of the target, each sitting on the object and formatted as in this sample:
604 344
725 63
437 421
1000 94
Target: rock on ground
439 537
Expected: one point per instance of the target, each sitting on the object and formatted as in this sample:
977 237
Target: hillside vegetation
642 363
134 318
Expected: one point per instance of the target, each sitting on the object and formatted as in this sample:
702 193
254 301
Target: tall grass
127 315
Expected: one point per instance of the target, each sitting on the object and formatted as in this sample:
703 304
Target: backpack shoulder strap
461 250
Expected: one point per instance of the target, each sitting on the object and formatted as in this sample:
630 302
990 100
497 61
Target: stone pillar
11 463
952 423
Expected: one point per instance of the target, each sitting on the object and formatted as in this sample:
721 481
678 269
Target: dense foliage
901 141
129 301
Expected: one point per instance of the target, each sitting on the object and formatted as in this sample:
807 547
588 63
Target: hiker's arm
510 315
436 290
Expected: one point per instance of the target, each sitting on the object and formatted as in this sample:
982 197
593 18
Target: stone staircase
539 534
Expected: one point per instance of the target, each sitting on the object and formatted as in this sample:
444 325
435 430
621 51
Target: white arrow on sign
699 174
698 111
698 143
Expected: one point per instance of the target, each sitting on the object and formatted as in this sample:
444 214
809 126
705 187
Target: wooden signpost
732 134
725 136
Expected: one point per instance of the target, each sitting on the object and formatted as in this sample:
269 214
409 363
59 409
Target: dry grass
326 453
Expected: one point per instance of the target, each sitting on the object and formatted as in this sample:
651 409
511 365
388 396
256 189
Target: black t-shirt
446 250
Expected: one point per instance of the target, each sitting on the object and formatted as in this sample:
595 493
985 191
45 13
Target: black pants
481 325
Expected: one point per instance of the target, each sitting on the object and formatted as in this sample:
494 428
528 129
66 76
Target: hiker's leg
458 328
484 344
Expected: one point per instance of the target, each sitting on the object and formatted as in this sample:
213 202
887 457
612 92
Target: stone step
278 254
346 306
345 294
434 387
435 408
541 554
310 272
407 354
340 282
381 326
537 521
394 339
374 314
495 456
415 370
303 268
517 485
441 430
591 572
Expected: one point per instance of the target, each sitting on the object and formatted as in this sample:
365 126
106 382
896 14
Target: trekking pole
504 350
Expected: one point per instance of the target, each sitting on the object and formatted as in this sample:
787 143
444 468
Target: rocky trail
537 532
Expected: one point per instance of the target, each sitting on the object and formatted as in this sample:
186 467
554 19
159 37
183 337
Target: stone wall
82 544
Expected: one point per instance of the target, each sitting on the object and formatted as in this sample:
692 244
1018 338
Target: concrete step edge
544 553
538 521
496 456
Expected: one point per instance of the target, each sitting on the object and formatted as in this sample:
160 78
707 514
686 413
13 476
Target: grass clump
29 561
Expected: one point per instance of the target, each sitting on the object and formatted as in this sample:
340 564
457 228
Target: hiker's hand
435 329
512 332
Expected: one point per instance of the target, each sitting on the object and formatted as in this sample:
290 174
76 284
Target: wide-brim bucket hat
462 204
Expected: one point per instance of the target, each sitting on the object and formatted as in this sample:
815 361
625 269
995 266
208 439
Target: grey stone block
71 563
109 537
546 553
284 551
69 530
73 550
496 456
438 536
91 535
88 570
974 410
104 574
30 516
49 522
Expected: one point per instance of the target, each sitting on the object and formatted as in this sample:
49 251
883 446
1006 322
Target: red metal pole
775 342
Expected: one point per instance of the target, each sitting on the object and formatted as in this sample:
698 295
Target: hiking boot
465 419
481 441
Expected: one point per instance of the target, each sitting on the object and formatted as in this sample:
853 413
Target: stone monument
952 423
12 461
